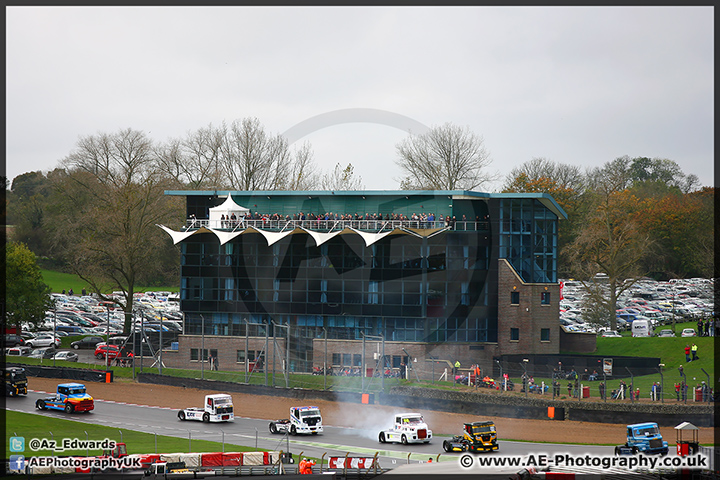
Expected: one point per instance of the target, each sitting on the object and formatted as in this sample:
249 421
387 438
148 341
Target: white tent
227 208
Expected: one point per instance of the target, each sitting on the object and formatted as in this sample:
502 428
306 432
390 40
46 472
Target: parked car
611 333
87 342
666 333
13 340
112 351
688 332
46 352
67 356
17 351
43 341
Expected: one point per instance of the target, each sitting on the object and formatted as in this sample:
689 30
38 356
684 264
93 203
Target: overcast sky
576 85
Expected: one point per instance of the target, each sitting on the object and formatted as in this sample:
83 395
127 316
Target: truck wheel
273 428
634 450
69 408
446 446
404 440
381 437
293 430
181 415
76 346
206 417
40 405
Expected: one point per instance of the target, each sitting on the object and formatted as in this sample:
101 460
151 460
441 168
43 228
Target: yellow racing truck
476 437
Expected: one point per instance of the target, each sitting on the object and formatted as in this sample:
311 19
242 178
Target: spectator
694 349
677 391
707 329
687 354
700 327
601 387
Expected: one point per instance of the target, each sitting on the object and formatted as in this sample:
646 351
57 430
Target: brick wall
529 316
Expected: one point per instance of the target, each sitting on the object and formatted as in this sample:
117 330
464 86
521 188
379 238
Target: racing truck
476 437
408 428
302 420
15 381
71 397
218 408
644 438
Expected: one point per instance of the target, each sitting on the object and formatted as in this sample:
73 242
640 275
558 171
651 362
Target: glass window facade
403 287
528 238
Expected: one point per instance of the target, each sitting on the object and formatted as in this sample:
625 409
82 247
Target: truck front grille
422 433
656 443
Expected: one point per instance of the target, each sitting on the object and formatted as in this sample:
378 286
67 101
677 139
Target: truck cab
15 381
646 438
71 397
302 420
218 408
408 428
476 437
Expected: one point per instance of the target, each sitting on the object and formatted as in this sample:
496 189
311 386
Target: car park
688 332
666 333
87 342
67 356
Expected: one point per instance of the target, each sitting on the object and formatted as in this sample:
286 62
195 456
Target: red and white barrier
350 462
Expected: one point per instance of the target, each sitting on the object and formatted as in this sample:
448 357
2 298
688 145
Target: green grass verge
59 281
32 426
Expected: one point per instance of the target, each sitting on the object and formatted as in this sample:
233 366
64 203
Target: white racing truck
408 428
218 408
302 420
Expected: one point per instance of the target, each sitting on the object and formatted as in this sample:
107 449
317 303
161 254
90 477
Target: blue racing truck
644 438
70 397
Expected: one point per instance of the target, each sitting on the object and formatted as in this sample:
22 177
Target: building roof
545 198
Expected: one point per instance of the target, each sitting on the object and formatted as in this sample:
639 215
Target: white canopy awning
227 208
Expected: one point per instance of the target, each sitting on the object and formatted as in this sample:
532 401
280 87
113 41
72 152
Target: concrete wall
475 403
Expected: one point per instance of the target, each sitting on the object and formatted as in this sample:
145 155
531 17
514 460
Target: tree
27 297
341 179
445 158
611 240
28 201
113 199
252 159
194 161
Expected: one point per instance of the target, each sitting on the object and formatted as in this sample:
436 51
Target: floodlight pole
202 347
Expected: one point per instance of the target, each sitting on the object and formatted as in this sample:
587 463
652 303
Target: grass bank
59 281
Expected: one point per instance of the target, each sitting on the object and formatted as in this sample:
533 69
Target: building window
514 298
195 354
514 334
240 356
545 298
544 334
336 358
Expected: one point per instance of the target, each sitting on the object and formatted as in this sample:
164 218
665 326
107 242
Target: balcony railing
333 225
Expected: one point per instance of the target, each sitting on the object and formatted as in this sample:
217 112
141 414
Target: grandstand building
326 270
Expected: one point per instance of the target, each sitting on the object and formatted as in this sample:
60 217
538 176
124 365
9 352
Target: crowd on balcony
330 220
